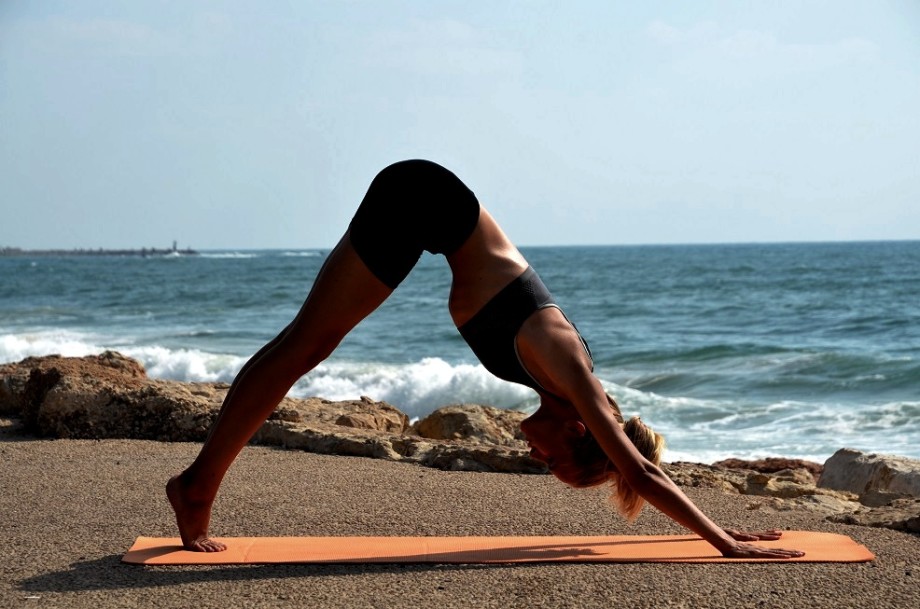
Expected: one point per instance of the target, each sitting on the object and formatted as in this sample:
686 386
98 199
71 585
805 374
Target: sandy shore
71 508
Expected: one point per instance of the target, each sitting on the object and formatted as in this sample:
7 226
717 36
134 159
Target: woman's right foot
192 517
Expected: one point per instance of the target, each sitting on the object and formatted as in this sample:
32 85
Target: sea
741 350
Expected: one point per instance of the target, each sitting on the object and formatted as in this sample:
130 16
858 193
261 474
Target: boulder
824 505
876 479
787 483
781 490
900 515
473 423
106 369
705 476
363 413
110 396
771 465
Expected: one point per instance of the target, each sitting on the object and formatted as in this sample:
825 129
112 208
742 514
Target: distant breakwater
142 252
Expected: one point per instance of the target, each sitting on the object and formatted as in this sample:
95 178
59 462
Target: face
550 432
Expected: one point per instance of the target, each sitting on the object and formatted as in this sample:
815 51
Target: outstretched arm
648 480
660 491
554 350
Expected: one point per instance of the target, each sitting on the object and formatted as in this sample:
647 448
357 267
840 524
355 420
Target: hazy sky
260 124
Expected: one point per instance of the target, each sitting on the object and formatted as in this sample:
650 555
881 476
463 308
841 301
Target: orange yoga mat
818 547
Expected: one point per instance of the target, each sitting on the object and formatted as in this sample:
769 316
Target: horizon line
24 250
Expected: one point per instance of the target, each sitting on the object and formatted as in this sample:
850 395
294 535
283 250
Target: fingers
768 535
745 536
745 550
780 553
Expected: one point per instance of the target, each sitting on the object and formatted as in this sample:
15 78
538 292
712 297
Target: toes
208 545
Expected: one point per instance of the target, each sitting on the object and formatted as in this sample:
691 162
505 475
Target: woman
503 311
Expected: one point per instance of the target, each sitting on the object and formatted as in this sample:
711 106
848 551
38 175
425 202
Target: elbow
647 480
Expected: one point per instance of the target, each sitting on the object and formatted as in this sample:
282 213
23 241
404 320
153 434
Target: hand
768 535
748 550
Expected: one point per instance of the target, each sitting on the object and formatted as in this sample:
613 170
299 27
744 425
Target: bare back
483 265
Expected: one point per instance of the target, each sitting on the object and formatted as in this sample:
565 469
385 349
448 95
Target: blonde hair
596 468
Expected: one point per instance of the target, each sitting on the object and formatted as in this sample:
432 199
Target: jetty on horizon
143 252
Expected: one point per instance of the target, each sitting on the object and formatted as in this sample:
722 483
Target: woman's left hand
768 535
748 550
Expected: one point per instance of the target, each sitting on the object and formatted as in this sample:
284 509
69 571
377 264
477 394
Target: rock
475 423
826 505
380 416
110 396
771 465
783 490
706 476
364 413
877 479
457 457
108 368
786 483
900 515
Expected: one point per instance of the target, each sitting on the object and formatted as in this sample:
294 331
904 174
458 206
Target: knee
299 354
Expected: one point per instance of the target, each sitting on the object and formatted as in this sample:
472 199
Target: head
559 437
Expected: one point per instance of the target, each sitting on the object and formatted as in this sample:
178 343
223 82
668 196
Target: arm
648 480
655 487
553 351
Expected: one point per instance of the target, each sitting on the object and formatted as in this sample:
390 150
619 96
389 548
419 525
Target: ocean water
729 350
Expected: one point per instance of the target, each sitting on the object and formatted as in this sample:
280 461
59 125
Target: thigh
345 292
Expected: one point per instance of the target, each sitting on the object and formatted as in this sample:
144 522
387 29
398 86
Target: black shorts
411 207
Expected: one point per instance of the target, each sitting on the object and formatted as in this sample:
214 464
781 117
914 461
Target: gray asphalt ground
69 509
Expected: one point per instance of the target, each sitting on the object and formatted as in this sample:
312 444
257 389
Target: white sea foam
696 429
231 255
14 347
300 254
710 430
160 362
186 364
416 388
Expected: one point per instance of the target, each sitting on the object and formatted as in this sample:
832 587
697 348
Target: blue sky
260 124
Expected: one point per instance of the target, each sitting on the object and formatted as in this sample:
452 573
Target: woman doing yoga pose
506 315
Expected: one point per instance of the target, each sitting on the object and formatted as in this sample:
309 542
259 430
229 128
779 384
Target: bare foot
193 518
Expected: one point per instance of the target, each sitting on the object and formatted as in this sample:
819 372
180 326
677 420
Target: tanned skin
344 293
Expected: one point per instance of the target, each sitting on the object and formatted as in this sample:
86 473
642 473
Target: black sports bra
491 332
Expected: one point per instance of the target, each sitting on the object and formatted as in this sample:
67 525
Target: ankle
194 487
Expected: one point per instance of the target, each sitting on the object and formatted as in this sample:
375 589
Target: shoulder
552 351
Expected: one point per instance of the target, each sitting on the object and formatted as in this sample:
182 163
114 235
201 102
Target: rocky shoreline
110 396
